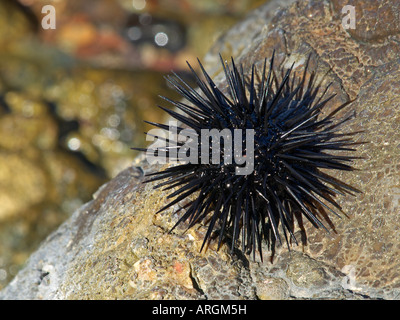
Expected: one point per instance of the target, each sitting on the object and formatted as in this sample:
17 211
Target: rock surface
115 247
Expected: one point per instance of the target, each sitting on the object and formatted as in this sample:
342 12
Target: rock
116 247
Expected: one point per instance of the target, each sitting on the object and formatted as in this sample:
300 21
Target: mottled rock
116 247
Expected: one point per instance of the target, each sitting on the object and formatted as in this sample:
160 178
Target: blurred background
73 99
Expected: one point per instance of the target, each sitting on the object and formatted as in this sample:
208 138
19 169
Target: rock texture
115 247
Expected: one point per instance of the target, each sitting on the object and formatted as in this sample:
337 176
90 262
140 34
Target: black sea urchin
291 141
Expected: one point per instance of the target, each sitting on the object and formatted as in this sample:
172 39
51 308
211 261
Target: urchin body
292 142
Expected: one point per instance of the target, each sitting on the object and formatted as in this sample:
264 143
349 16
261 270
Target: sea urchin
285 137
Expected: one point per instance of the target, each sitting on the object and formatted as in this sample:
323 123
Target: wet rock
116 247
72 100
